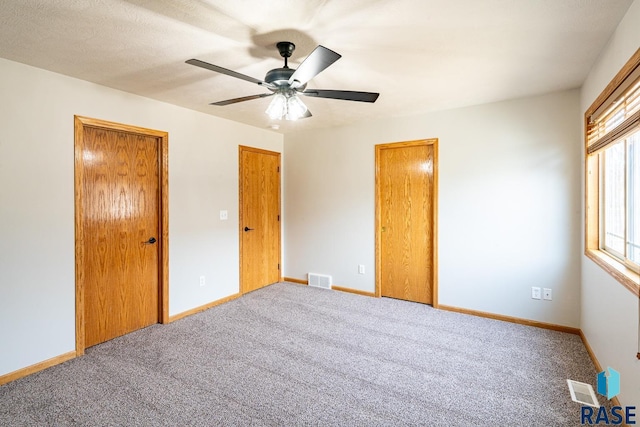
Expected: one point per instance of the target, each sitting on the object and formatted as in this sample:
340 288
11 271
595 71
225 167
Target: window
620 204
613 177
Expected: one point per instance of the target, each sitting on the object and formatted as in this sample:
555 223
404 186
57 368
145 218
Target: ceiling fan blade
244 98
346 95
316 62
221 70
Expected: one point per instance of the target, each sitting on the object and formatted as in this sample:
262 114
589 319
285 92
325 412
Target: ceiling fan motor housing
279 77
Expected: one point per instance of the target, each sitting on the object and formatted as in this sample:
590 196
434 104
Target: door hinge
278 266
278 217
278 168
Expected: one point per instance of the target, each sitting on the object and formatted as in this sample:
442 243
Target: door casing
162 139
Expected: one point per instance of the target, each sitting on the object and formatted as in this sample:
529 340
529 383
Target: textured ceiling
421 55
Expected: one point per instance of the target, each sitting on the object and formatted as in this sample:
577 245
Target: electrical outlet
202 281
535 292
360 269
546 294
224 215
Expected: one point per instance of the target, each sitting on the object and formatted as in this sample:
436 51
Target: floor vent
319 280
583 393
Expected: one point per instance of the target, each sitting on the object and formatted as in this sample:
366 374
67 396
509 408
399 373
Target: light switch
224 215
536 292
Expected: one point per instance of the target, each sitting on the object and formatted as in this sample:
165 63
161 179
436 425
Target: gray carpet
290 355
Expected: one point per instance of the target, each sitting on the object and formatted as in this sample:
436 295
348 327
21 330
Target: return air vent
582 393
319 280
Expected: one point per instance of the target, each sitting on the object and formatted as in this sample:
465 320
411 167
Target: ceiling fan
287 83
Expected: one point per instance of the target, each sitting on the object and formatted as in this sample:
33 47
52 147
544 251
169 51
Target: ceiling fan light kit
287 83
286 105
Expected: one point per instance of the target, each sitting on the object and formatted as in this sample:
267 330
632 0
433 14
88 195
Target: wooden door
259 218
120 234
405 219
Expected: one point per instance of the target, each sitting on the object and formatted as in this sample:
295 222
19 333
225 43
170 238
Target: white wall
610 312
509 203
37 294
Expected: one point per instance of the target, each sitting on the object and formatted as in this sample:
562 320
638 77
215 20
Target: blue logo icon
609 385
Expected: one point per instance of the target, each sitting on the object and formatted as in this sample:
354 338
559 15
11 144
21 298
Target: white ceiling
421 55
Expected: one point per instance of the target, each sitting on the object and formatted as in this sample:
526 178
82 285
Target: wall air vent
319 280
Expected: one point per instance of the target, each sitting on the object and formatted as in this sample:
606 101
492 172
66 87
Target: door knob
248 229
151 241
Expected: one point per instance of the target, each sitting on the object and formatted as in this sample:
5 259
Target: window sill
623 274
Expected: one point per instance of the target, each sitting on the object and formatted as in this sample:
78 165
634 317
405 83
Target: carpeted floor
290 355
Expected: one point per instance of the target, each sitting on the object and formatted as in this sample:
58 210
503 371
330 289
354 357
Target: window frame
623 272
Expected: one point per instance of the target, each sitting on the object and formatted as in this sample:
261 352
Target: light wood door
259 218
120 212
406 194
